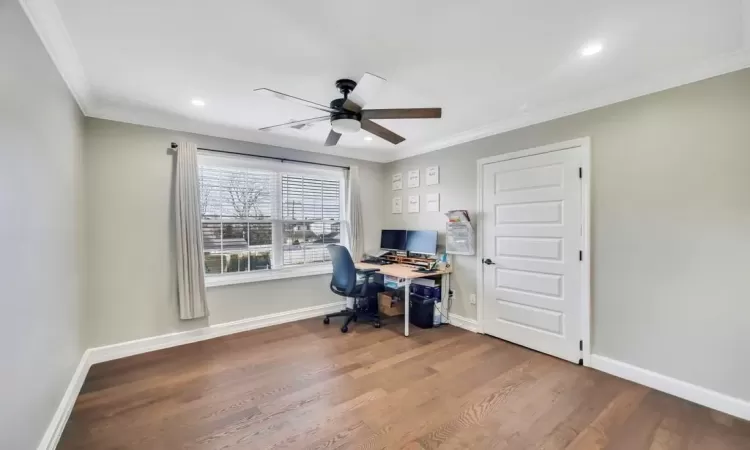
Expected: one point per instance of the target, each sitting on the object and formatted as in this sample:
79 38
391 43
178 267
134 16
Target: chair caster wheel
376 324
326 321
344 329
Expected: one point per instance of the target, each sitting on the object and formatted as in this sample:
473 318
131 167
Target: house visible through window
263 215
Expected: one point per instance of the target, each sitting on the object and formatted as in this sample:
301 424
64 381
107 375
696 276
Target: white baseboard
60 418
696 394
130 348
109 352
463 322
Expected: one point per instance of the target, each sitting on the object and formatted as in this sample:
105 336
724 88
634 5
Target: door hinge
580 173
580 347
580 255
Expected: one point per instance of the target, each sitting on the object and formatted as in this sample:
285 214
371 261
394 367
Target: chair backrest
344 273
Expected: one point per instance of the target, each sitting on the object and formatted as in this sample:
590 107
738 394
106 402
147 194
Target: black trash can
421 311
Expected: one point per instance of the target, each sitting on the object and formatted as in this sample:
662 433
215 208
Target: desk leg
407 288
443 303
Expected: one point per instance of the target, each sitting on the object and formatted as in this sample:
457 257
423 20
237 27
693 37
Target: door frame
584 144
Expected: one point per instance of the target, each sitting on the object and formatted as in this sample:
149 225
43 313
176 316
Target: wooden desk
408 273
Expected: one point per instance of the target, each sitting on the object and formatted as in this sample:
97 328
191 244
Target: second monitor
421 241
415 241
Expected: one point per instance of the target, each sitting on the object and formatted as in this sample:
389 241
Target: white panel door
532 235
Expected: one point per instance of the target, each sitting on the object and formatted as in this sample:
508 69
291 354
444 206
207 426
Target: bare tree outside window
248 213
245 195
232 202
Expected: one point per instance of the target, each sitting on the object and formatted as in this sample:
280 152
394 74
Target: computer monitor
393 240
421 241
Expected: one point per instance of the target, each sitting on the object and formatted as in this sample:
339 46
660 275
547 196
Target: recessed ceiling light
591 49
368 138
198 102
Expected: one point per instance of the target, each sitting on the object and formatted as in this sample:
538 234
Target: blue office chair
346 283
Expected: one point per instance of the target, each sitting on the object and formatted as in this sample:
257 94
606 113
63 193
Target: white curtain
354 209
191 287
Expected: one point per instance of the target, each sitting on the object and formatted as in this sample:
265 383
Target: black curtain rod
174 145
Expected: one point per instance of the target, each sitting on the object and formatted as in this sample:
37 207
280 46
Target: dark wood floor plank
583 414
305 385
552 397
597 435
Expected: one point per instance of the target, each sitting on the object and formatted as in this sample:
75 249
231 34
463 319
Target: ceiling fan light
346 126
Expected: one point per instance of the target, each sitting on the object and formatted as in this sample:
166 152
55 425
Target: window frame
278 269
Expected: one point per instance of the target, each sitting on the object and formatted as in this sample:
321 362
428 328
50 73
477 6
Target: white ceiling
491 65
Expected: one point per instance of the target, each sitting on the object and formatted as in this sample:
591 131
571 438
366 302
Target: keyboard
375 261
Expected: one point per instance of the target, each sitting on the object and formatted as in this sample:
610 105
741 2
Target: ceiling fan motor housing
343 113
344 121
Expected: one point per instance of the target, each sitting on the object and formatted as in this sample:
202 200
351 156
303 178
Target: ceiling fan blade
381 132
366 90
409 113
299 101
296 123
333 139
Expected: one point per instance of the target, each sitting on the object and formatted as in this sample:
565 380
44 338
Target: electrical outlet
473 299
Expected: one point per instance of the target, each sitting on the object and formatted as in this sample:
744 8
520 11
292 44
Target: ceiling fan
346 114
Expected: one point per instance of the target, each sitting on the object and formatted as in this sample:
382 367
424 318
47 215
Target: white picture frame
432 175
397 182
412 179
413 206
432 203
396 205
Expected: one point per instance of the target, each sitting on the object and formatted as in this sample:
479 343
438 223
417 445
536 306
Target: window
262 216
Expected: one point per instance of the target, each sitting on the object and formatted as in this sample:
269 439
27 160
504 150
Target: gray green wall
131 279
670 225
670 221
40 226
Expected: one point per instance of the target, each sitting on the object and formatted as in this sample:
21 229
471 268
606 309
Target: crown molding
47 21
718 66
643 86
150 118
48 24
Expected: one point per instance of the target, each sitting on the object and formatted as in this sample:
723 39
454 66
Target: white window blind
311 212
262 215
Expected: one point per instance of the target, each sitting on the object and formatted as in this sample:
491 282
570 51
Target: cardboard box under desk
390 306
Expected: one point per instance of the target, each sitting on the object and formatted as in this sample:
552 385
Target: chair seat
371 287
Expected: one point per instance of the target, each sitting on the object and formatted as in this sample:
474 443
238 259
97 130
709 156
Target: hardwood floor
305 385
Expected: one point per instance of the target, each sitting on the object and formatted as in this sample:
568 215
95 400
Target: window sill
268 275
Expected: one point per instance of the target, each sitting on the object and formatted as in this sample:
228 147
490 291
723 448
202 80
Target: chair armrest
367 271
368 274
